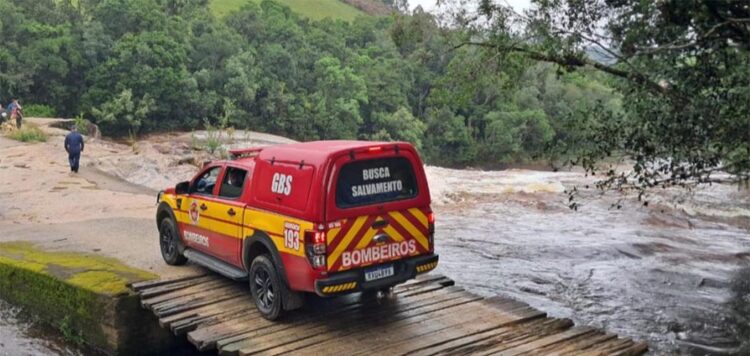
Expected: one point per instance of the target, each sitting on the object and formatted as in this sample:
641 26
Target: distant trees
136 66
680 69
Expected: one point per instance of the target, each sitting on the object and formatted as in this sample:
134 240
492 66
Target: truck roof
314 152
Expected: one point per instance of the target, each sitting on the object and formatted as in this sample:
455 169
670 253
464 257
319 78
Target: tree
399 126
339 93
153 64
122 113
448 140
679 65
517 135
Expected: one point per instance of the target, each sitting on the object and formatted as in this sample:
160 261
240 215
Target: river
675 273
21 335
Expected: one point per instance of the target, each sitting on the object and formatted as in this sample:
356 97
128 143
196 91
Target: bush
29 133
38 110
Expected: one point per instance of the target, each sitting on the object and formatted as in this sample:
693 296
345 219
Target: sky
518 5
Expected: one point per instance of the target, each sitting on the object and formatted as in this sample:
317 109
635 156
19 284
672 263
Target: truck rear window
375 181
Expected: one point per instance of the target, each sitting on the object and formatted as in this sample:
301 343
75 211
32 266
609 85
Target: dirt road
42 202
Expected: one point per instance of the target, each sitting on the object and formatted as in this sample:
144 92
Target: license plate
379 273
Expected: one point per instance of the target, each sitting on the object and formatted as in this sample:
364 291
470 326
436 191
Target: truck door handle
204 207
231 212
380 224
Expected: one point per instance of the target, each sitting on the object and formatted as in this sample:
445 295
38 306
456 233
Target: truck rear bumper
354 280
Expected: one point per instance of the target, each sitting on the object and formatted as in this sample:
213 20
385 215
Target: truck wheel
266 288
168 241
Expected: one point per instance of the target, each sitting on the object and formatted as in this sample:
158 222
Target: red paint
298 180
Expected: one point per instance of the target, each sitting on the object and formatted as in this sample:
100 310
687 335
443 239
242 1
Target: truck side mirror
182 188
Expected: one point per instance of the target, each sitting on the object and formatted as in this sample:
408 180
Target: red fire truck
324 217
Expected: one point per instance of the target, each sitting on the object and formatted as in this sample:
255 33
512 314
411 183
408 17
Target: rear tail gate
379 238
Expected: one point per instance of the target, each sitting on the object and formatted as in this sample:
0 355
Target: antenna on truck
245 152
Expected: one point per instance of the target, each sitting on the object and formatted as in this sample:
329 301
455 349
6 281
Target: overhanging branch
574 61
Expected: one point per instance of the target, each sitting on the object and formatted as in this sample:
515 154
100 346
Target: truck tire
266 287
169 244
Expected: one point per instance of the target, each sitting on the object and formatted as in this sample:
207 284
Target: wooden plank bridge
427 316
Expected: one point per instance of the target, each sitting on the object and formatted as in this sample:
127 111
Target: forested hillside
138 66
313 9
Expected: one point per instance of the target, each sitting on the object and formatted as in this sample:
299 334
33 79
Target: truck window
233 182
375 181
205 183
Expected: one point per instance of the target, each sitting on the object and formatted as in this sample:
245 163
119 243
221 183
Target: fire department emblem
194 212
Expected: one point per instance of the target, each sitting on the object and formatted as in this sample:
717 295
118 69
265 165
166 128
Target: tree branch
573 61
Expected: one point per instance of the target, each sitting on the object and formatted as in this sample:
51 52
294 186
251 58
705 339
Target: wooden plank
333 329
232 345
185 326
549 340
425 316
458 328
450 338
573 342
218 283
242 301
406 302
168 309
517 336
446 346
638 348
611 347
138 286
171 287
215 292
581 345
477 341
205 338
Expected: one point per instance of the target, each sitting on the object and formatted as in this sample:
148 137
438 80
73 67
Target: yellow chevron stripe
347 240
410 228
393 233
331 235
420 216
366 239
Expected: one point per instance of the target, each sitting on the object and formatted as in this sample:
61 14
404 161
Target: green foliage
81 123
511 135
399 126
38 110
138 66
313 9
680 68
123 113
29 133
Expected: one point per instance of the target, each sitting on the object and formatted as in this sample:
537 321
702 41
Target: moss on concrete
95 273
83 295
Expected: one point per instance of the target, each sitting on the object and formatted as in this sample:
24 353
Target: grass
28 133
313 9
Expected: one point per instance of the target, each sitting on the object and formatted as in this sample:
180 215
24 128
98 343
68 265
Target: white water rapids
675 274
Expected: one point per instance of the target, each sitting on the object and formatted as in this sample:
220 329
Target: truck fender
165 211
260 237
290 300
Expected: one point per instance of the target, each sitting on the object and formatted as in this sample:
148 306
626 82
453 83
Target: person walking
74 147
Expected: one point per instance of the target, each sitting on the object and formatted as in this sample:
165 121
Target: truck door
228 214
197 228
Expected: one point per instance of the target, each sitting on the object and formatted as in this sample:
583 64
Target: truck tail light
315 245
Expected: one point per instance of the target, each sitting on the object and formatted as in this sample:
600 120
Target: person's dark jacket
74 143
